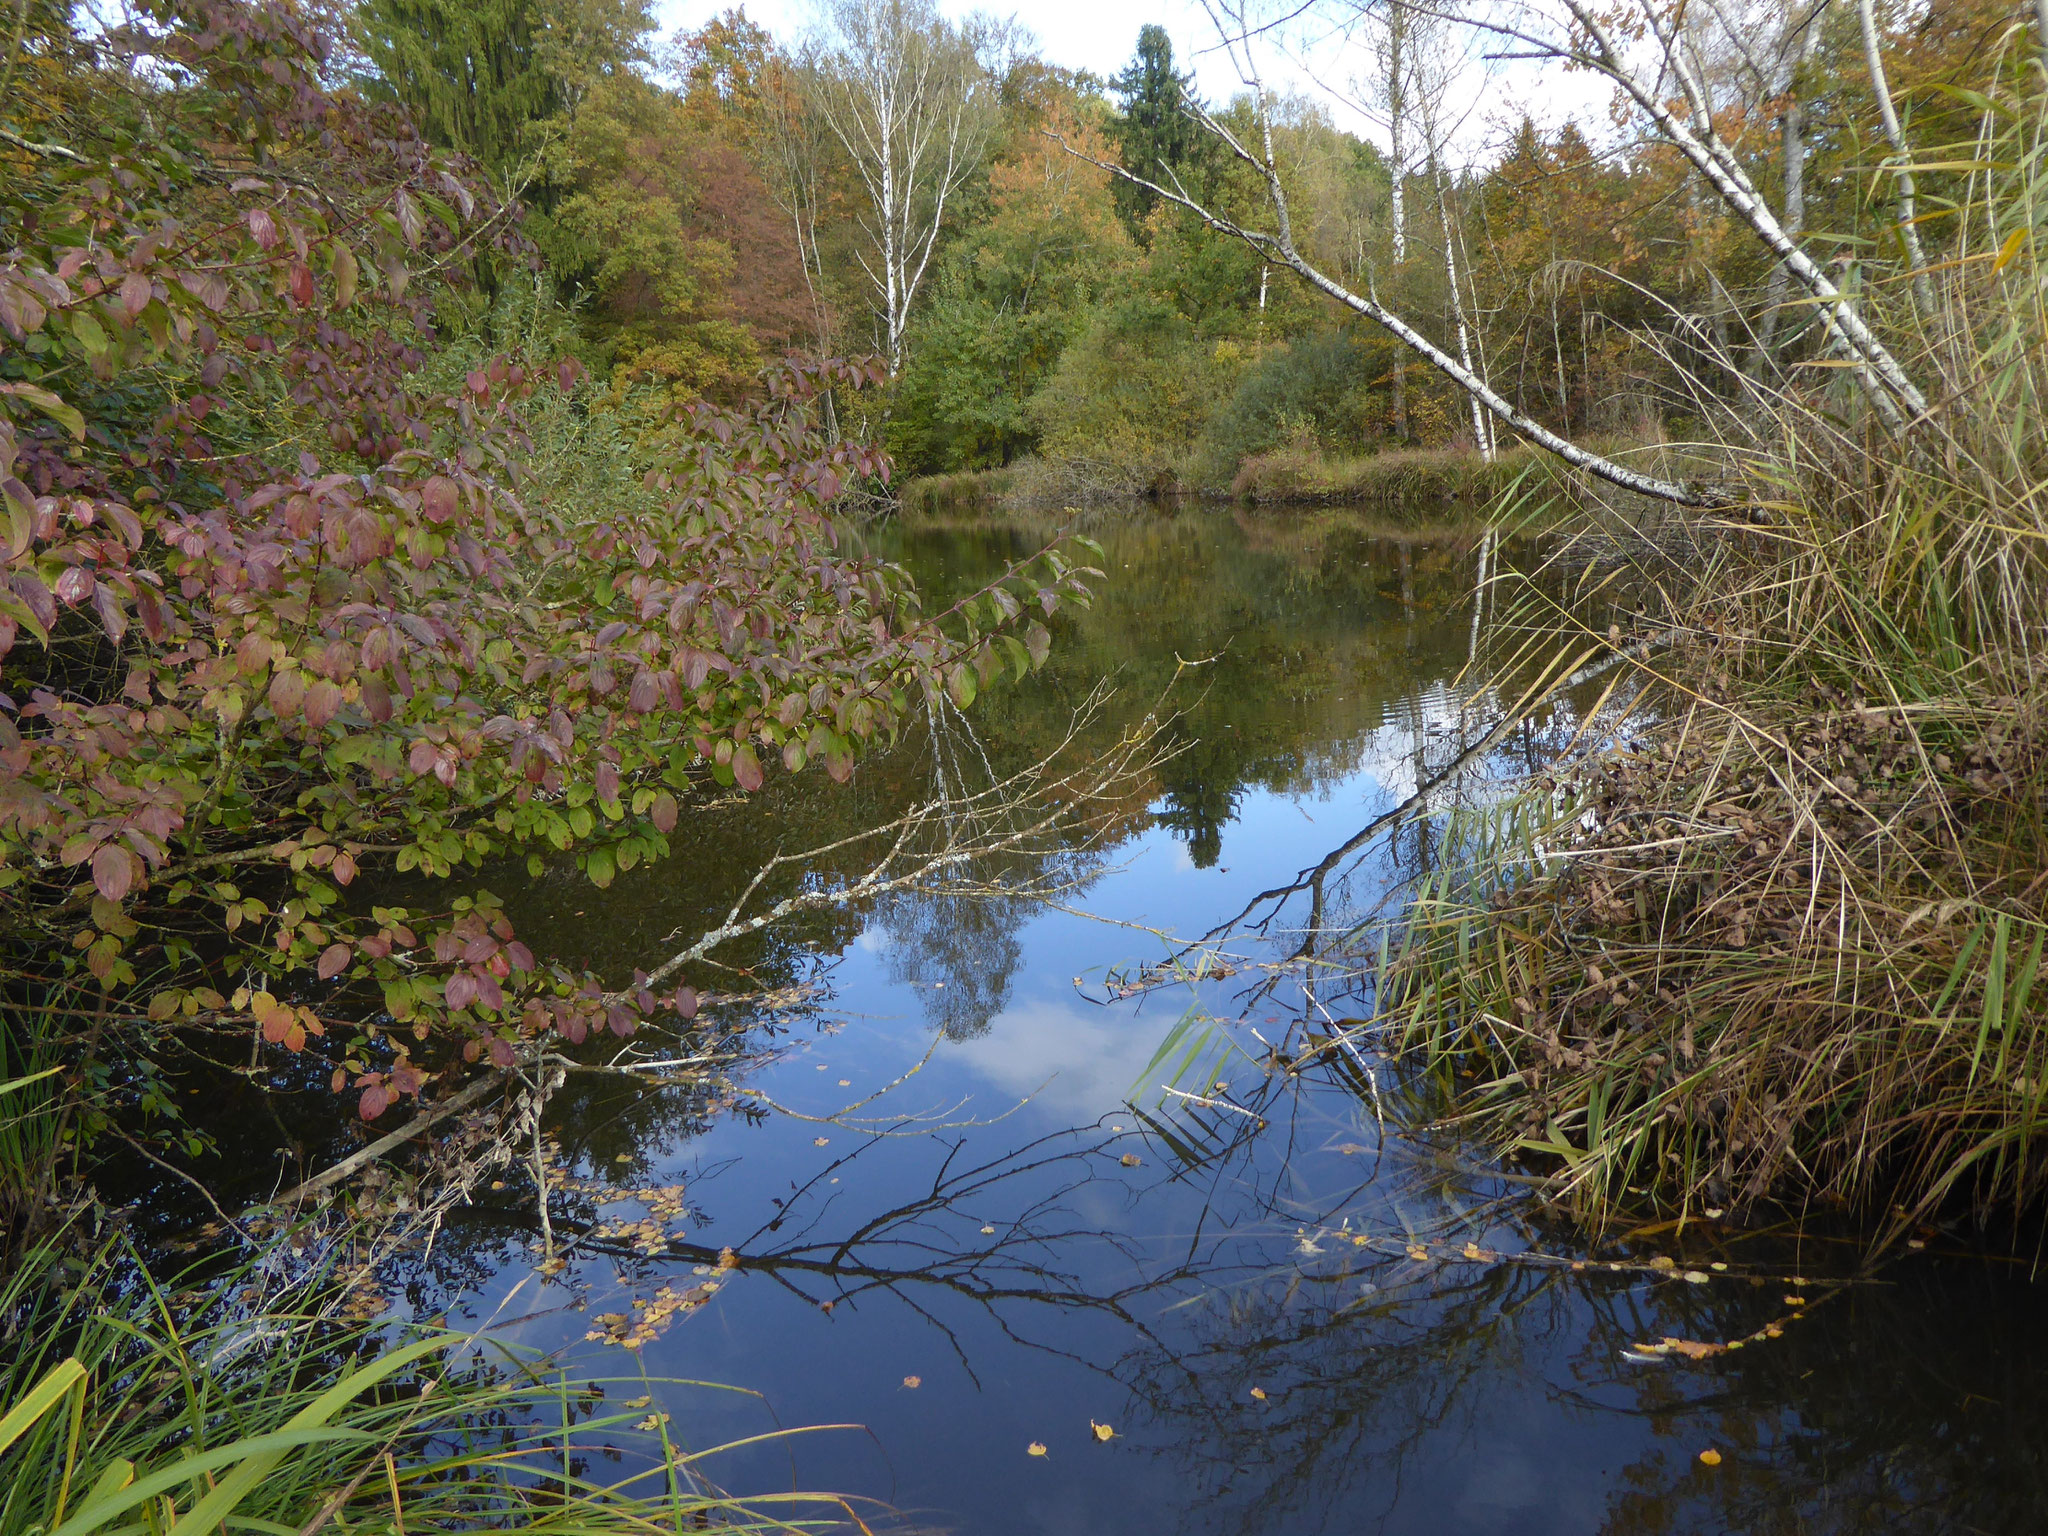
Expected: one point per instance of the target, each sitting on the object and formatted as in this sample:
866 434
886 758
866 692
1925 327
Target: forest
557 570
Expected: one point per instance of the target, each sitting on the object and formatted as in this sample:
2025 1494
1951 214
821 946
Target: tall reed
1785 940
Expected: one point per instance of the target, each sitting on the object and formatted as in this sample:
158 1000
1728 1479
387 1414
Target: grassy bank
1785 941
1416 481
129 1407
1412 483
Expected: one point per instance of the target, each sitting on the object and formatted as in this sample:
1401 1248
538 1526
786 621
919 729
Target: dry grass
1788 943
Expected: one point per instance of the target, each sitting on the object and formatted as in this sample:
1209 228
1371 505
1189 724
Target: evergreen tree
1154 133
478 75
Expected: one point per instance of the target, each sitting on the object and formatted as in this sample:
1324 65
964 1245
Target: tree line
938 194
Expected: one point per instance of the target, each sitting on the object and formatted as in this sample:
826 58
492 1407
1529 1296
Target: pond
1291 1314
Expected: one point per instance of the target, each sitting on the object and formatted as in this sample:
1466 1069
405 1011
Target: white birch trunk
1902 163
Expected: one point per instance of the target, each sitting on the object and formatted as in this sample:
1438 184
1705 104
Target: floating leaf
1102 1432
913 1382
1693 1349
1710 1457
1259 1393
1035 1448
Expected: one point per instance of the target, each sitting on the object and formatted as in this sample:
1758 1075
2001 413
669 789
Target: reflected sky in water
1041 1238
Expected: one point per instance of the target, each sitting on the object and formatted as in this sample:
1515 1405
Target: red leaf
75 585
501 1053
519 955
113 871
607 782
461 990
663 812
488 992
264 228
686 1002
746 769
440 500
376 1099
135 294
323 702
302 284
287 693
333 961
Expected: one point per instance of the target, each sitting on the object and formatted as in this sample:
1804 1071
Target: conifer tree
1154 133
478 75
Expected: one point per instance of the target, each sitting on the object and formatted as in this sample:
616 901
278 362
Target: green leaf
237 1485
41 1398
52 406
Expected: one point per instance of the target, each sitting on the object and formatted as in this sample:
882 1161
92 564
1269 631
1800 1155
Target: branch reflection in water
1434 1349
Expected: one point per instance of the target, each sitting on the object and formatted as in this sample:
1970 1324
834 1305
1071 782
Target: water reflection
1039 1236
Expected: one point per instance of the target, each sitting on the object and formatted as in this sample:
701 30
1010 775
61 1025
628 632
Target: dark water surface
1045 1241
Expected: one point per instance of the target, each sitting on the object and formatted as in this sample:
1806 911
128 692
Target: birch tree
1434 69
1673 100
906 95
1904 192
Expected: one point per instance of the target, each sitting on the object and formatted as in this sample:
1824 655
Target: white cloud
1077 1062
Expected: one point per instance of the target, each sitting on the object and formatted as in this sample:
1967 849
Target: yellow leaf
1259 1393
1100 1431
820 1141
1035 1448
1417 1252
2007 251
913 1382
1693 1349
1710 1457
637 1403
1129 1159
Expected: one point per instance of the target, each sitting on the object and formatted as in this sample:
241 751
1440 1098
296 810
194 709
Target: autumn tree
283 606
1012 295
662 223
909 97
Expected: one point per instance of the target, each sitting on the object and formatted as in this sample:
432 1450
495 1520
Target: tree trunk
1902 168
